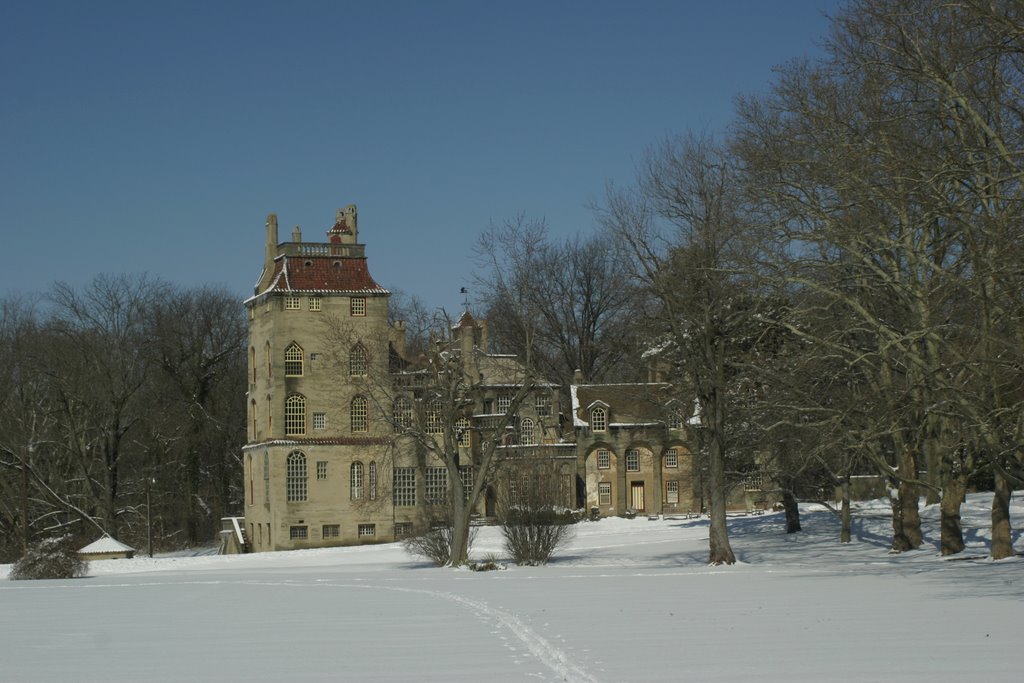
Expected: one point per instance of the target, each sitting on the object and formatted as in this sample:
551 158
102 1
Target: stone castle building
330 389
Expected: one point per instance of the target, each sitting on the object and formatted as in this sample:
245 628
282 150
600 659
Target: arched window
296 482
526 432
270 360
270 415
402 412
358 414
254 422
433 417
295 415
356 480
599 419
252 362
293 360
357 361
371 480
462 432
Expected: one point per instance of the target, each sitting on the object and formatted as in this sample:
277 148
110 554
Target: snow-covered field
629 600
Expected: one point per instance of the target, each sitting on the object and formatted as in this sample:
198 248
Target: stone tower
318 351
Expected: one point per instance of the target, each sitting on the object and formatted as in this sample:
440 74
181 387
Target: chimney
296 234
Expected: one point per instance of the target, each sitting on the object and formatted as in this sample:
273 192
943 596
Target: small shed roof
106 544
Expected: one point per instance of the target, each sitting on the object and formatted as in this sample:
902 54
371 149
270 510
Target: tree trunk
951 533
844 515
459 554
906 523
792 512
718 534
1002 538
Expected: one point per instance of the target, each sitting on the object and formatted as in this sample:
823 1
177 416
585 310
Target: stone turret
346 228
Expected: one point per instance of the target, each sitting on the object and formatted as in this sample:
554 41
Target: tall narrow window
293 360
404 479
358 414
270 415
252 362
402 412
436 486
504 403
254 422
604 460
526 436
466 474
296 481
270 360
356 481
357 361
371 477
433 417
604 493
295 415
632 460
358 306
599 419
462 432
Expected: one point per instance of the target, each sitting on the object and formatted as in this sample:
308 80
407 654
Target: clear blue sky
156 137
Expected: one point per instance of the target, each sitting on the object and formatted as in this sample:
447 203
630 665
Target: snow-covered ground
629 600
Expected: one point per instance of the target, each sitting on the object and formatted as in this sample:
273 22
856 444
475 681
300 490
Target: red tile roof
323 274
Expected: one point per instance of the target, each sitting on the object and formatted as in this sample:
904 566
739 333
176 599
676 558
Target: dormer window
598 419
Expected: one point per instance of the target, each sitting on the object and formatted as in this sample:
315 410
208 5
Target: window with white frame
321 469
404 486
632 460
753 481
358 414
356 481
357 361
436 486
319 420
298 533
672 458
293 360
526 436
357 306
599 419
604 459
367 530
291 303
463 433
371 480
604 493
672 492
675 420
331 531
402 412
314 303
504 402
295 482
543 405
295 415
403 529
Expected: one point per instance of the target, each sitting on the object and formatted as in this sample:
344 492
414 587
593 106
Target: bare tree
689 247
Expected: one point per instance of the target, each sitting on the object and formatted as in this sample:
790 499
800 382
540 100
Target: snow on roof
106 545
